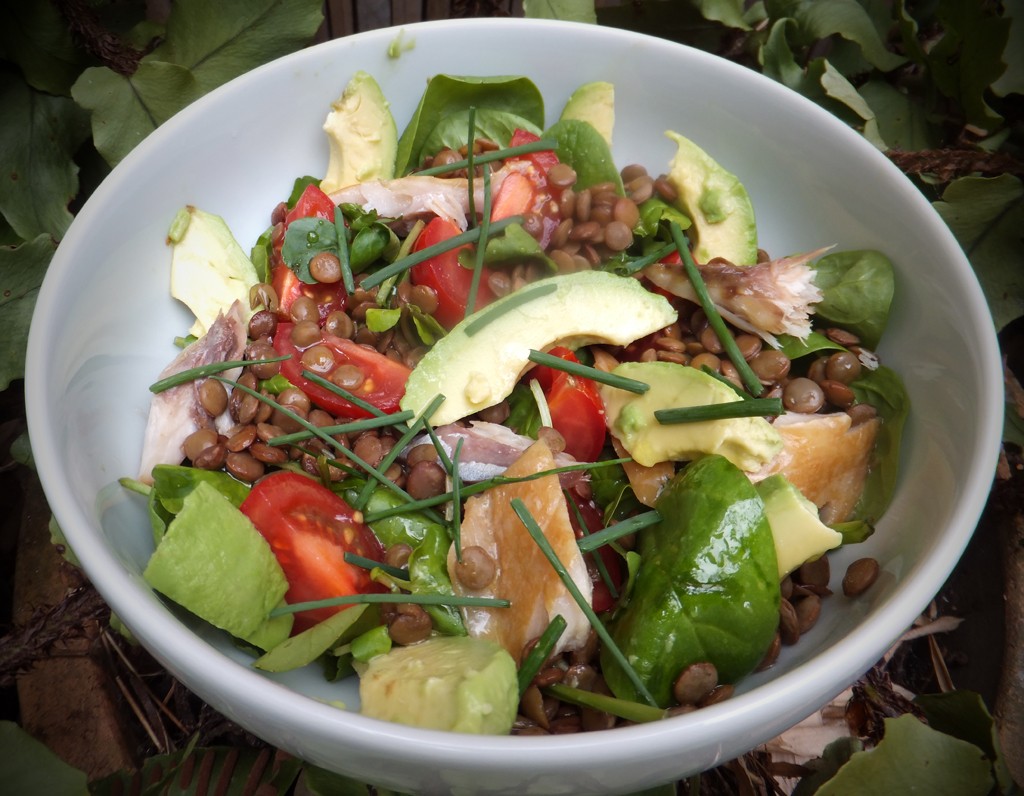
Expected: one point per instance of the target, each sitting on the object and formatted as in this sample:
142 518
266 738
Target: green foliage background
937 84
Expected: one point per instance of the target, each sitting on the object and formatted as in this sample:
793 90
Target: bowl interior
105 322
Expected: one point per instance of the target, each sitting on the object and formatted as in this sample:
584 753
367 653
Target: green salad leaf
583 148
884 390
857 288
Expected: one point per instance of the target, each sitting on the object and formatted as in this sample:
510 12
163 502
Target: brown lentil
263 323
695 682
816 572
268 454
770 366
860 576
244 466
304 308
709 340
583 202
719 693
241 439
789 623
368 447
476 569
803 395
347 376
618 236
665 189
410 625
325 267
425 479
213 397
532 705
771 654
397 555
211 458
198 441
707 360
808 609
860 413
263 295
839 394
842 337
843 367
749 345
256 353
295 399
305 333
562 175
640 189
552 437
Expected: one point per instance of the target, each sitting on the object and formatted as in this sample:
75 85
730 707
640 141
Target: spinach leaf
884 390
858 288
795 348
524 416
515 245
498 126
612 492
173 483
585 149
446 95
304 239
300 185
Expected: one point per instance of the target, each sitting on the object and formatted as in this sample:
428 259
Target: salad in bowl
526 440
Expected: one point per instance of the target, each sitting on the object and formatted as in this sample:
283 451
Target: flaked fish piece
523 575
447 197
176 413
766 299
488 449
826 457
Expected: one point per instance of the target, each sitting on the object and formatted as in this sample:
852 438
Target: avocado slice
214 562
209 270
594 103
716 202
479 361
747 442
799 535
362 135
454 683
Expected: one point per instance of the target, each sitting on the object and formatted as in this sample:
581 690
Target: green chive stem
638 264
390 597
719 377
368 563
348 396
485 231
471 235
456 525
201 371
489 157
540 652
365 424
623 708
511 302
747 375
136 486
343 251
470 166
595 622
754 407
588 372
618 530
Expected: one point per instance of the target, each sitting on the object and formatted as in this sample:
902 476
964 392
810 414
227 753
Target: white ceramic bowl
104 323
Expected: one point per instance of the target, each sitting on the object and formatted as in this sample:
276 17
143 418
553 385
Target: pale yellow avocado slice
362 135
454 683
593 103
479 361
747 442
716 202
209 270
799 535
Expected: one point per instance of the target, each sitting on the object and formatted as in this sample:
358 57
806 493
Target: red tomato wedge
312 203
383 383
602 599
310 529
577 412
448 279
525 188
289 287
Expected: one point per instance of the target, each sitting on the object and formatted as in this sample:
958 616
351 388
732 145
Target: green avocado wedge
707 589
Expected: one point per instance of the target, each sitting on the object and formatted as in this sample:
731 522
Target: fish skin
176 413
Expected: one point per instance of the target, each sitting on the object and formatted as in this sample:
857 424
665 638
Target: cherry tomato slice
310 529
383 383
289 287
602 599
312 203
543 160
577 411
448 279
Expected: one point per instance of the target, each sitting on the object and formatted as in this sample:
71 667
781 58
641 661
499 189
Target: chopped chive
136 486
602 570
595 622
470 166
345 428
755 407
543 410
390 597
623 708
457 501
185 376
485 231
638 264
343 251
747 375
511 302
588 372
343 393
405 263
397 449
482 486
489 157
618 530
368 563
719 377
540 652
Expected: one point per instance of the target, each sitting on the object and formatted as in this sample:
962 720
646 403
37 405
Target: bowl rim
441 748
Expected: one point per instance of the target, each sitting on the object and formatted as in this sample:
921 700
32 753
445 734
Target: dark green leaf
127 109
884 390
304 238
913 758
39 135
368 246
300 185
498 126
795 348
903 122
36 37
524 416
448 94
516 245
585 149
857 288
570 10
21 273
967 59
260 255
987 215
220 41
28 768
